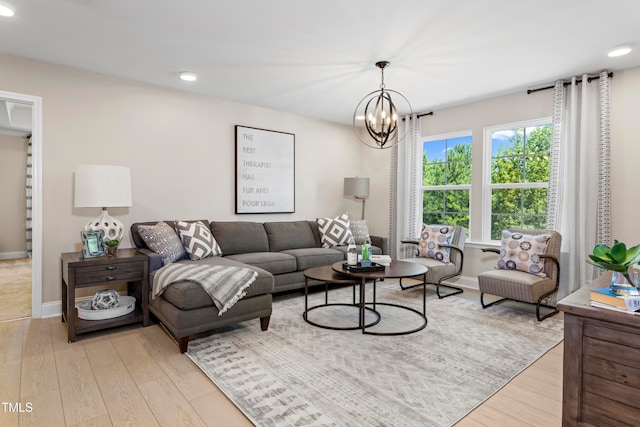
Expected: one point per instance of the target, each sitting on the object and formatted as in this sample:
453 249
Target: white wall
179 146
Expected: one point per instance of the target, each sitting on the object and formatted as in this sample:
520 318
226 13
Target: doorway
35 103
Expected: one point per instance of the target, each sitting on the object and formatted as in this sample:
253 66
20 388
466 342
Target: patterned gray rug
296 374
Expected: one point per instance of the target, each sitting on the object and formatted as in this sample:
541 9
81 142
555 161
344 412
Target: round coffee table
327 275
396 270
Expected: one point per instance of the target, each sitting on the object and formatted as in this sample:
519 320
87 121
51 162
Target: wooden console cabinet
601 367
127 266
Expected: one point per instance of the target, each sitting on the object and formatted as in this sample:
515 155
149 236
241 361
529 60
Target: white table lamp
103 186
357 188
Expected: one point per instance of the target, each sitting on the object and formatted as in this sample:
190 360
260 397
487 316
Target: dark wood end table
128 265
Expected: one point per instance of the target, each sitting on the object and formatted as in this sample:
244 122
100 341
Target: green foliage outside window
447 206
519 156
523 159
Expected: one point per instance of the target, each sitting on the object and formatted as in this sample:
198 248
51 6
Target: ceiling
317 58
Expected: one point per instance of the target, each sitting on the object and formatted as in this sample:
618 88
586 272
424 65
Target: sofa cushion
334 231
197 239
289 235
314 257
238 237
189 295
162 239
273 262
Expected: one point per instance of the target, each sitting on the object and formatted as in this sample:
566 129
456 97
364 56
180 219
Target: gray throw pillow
163 240
334 231
197 240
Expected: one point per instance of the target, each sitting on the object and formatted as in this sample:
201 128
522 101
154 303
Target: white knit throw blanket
225 284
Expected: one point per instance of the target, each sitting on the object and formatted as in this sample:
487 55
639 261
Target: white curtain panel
28 188
407 198
578 198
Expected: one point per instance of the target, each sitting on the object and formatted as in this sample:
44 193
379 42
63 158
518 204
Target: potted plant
618 259
112 246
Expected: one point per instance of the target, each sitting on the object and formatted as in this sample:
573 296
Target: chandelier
375 120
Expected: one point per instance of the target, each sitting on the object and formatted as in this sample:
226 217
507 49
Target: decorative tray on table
125 306
359 268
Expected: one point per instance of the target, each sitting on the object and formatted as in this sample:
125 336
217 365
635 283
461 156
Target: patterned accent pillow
163 240
431 237
359 230
197 240
334 231
522 252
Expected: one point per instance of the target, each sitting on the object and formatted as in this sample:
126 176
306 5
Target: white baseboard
13 255
51 309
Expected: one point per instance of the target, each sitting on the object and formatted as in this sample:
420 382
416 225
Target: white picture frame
265 171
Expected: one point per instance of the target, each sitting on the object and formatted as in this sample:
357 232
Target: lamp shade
356 187
102 186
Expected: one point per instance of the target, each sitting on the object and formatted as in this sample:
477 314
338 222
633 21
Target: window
517 173
446 179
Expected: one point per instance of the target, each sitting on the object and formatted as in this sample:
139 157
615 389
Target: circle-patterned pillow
522 252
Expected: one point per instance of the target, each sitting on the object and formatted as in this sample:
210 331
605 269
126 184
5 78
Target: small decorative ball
105 299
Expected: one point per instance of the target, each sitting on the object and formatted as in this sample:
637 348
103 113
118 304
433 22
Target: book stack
604 298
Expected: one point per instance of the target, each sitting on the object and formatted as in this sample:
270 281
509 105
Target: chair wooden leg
264 322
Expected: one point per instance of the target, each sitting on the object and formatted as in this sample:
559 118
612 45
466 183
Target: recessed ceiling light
619 51
5 11
188 77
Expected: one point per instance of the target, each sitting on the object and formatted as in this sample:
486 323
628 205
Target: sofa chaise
278 251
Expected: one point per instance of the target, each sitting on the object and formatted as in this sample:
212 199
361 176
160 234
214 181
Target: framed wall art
93 244
265 171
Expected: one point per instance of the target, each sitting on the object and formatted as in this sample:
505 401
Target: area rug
296 374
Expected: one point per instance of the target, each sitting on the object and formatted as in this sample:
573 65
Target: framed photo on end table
93 244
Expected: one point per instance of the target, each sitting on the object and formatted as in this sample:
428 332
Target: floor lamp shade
357 188
103 186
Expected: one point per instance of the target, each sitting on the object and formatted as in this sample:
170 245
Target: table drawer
109 273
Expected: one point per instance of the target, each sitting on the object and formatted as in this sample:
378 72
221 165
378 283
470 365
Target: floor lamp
357 188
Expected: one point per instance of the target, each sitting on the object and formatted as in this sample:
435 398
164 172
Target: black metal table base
341 328
423 315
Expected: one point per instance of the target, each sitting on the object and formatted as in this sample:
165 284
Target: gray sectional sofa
278 251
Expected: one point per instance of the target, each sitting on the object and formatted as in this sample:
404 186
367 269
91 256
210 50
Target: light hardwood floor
137 377
15 288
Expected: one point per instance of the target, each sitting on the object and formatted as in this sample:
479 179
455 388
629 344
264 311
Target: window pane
447 162
433 201
507 143
535 201
435 151
506 201
537 221
446 207
537 168
507 170
457 201
538 139
433 218
434 174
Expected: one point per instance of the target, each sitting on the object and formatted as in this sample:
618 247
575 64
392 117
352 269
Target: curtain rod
430 113
589 79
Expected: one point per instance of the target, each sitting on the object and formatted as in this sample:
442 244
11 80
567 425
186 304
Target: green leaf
619 252
602 251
